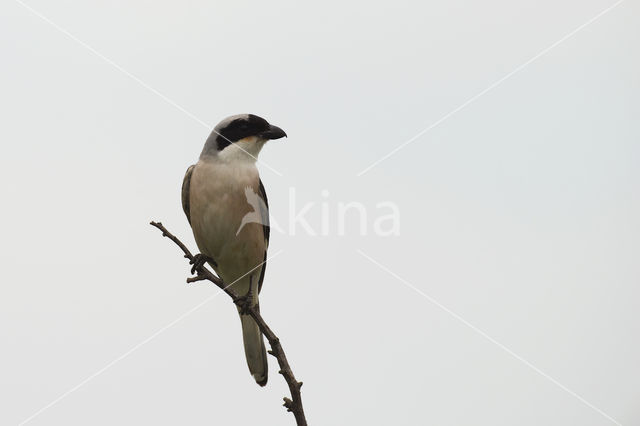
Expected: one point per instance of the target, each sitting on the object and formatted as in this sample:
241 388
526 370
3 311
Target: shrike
216 194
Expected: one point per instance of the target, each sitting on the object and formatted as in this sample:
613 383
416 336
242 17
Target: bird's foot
199 260
244 302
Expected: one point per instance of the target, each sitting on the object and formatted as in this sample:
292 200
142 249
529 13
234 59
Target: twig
293 404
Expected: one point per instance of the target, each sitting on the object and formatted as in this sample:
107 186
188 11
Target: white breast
217 205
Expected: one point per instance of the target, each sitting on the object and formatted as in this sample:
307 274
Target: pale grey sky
519 214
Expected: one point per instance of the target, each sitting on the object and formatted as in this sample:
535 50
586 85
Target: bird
219 195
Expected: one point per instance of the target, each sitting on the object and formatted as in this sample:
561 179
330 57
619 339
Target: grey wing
265 230
186 185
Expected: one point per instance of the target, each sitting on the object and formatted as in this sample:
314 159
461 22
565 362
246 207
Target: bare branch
293 404
196 278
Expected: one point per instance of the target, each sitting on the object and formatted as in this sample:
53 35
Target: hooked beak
274 132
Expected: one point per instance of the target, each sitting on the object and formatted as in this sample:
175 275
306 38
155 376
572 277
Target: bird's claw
244 302
199 260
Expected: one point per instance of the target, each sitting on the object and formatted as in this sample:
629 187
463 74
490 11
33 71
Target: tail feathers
254 349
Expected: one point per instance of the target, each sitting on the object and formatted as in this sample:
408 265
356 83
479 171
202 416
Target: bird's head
241 137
